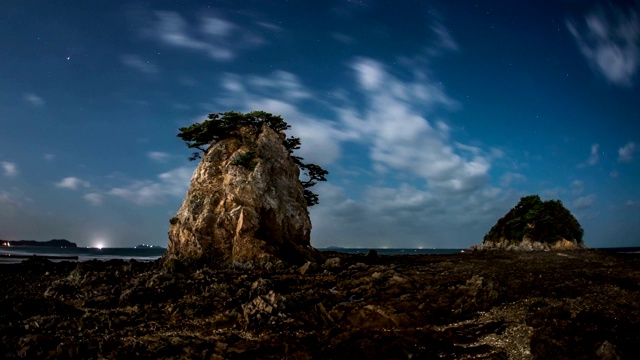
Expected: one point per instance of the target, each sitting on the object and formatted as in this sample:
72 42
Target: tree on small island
541 221
220 126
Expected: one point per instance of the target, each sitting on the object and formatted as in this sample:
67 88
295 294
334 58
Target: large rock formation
534 224
245 207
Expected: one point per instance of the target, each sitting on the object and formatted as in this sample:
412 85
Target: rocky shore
480 305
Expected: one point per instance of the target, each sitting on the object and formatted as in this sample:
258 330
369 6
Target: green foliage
544 221
221 126
246 160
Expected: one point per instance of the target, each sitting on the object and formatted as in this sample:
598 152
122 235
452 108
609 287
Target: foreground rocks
525 305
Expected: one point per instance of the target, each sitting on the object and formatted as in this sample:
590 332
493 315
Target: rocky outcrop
534 225
245 207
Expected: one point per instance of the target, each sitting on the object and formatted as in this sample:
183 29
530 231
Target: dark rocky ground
492 305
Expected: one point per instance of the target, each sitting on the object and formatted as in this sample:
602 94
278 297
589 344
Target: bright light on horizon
100 242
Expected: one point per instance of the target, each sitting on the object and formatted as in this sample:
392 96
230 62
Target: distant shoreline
55 243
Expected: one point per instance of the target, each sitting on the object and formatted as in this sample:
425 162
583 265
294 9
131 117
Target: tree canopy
220 126
543 221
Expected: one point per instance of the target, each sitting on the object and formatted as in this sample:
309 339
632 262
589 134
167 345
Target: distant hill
59 243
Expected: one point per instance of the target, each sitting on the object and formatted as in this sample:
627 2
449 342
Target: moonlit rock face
249 213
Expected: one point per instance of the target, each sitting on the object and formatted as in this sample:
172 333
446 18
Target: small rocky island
240 280
534 224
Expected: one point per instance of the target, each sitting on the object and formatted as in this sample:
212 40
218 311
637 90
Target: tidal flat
481 305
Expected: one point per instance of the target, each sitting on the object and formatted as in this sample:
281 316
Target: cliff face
245 207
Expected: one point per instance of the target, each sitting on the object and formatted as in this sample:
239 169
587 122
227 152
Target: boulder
245 207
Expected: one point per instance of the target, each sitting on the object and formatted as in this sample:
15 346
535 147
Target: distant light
100 241
68 57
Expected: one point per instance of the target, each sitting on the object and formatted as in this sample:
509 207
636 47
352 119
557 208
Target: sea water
15 254
18 253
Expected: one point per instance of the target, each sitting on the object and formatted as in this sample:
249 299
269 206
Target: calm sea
392 251
18 253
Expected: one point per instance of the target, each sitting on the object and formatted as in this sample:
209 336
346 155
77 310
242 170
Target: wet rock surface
523 305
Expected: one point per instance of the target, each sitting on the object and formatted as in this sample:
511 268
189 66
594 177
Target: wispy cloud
577 187
631 203
269 25
594 157
285 83
279 94
405 216
444 40
401 138
509 178
9 169
34 99
218 38
9 201
173 183
584 202
553 193
158 156
369 73
609 39
391 125
72 183
94 198
625 153
343 38
137 63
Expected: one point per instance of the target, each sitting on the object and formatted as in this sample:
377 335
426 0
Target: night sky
432 117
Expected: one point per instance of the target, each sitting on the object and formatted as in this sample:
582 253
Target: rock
359 266
264 308
526 244
372 256
607 351
308 268
534 225
332 264
245 207
482 305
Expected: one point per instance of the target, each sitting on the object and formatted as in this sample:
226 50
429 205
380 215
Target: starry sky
432 117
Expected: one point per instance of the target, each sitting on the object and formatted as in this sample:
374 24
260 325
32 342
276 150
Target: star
68 57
